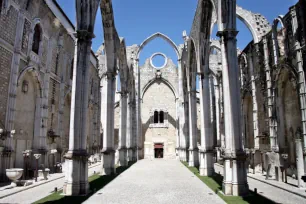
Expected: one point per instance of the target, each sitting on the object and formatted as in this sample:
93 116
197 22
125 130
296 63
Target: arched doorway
27 101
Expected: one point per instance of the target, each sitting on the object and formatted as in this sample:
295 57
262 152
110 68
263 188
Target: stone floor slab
155 181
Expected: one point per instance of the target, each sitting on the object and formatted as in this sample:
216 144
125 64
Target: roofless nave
249 111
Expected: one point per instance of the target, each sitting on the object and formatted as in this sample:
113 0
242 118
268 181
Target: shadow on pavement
252 197
96 184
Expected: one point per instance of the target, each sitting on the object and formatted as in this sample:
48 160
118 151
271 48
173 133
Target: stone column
222 128
185 140
301 77
217 112
272 122
193 148
177 128
180 108
129 130
254 101
107 119
123 130
206 151
76 174
235 176
138 128
299 162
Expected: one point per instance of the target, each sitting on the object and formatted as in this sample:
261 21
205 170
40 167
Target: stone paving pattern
156 181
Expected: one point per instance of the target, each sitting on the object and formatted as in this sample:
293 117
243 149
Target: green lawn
96 182
215 183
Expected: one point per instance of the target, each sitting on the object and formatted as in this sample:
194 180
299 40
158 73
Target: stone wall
159 92
5 67
45 105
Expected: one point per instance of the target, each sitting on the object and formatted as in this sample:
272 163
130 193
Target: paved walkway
42 190
269 191
155 181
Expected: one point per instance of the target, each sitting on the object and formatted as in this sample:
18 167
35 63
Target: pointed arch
256 23
36 75
158 35
165 81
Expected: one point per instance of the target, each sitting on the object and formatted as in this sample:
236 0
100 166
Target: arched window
28 4
71 69
36 39
155 117
161 117
1 4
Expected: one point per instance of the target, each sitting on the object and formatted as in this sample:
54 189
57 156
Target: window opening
161 117
28 4
155 117
1 4
71 69
36 39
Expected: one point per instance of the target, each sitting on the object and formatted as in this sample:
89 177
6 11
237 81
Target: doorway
159 150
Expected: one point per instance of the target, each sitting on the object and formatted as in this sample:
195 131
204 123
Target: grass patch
96 182
215 183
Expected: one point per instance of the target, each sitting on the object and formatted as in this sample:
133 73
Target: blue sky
135 20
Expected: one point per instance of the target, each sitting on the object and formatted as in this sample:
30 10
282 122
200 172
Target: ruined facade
240 108
37 51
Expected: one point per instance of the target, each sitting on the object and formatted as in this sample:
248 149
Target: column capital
227 34
110 75
123 93
84 35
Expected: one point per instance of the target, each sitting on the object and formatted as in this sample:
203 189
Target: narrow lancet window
36 39
155 117
161 117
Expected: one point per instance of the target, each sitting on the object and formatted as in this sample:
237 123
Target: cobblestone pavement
273 193
156 181
41 191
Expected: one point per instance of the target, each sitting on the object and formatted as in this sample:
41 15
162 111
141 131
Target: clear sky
136 20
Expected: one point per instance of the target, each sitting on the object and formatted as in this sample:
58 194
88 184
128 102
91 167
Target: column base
134 154
76 174
140 153
184 155
123 161
206 163
108 163
235 176
193 157
180 154
177 154
227 188
130 154
240 189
